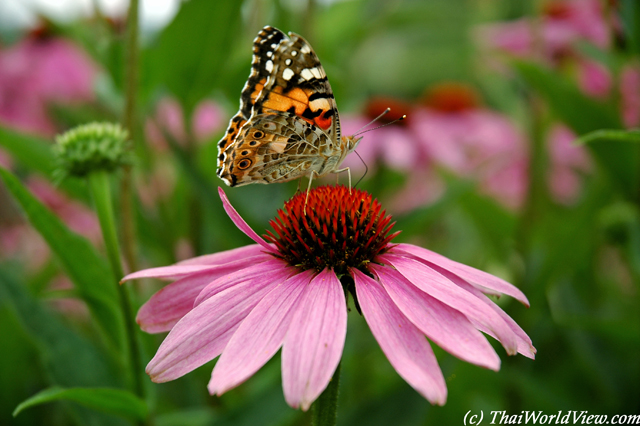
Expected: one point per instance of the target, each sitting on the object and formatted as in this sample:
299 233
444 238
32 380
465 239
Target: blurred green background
487 84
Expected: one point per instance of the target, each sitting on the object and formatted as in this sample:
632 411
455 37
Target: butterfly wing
287 82
264 47
277 147
298 84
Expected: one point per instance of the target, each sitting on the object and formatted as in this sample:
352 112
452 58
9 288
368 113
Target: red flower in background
450 129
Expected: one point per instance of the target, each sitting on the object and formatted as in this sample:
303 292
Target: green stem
101 193
324 411
129 120
536 194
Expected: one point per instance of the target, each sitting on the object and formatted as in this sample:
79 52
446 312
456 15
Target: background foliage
576 256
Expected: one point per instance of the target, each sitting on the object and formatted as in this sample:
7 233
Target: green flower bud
91 147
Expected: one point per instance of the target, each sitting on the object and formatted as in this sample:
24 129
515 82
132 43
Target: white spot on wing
273 45
316 72
287 74
306 74
294 53
305 49
269 53
287 62
268 66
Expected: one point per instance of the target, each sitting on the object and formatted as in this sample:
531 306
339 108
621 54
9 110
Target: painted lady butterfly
288 125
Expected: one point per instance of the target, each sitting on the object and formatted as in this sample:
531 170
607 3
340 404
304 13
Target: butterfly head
351 142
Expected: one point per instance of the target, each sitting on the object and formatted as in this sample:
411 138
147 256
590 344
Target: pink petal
279 271
165 308
446 326
172 272
224 256
446 291
314 342
241 224
525 346
202 334
404 345
474 276
260 335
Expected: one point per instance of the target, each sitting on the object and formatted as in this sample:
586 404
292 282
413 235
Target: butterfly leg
309 189
346 169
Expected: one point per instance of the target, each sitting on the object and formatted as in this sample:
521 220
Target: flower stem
128 121
324 411
101 193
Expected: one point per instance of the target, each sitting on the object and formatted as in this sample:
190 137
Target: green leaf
584 115
35 154
610 135
192 51
618 152
630 17
69 359
86 268
577 110
496 224
207 192
118 402
31 151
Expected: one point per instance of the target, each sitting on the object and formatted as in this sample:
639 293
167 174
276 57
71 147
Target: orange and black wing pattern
299 85
286 78
264 48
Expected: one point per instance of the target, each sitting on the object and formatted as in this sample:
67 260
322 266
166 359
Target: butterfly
288 124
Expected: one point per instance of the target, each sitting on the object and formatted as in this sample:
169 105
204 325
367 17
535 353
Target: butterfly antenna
366 170
361 131
385 112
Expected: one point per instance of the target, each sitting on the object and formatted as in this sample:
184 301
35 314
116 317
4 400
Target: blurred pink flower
457 134
554 37
78 217
207 119
5 160
509 183
395 146
244 304
630 95
594 78
39 71
70 307
451 131
479 144
424 186
561 25
567 162
158 185
22 241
